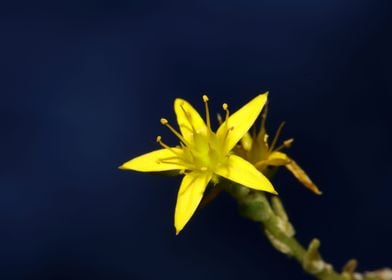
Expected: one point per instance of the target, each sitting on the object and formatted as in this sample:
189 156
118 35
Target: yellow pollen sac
164 121
287 143
159 140
205 98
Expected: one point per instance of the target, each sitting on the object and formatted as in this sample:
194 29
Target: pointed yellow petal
159 160
278 159
240 122
188 119
300 174
273 159
243 172
189 196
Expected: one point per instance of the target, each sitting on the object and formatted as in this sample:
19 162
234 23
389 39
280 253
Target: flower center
203 151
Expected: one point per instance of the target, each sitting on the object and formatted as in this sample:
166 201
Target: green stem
255 206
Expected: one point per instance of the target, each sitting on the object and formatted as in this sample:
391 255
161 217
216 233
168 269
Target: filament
159 140
278 131
166 123
205 100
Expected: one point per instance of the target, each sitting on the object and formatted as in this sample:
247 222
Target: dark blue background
83 86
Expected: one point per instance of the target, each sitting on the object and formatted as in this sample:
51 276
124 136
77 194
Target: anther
164 121
159 140
286 144
205 98
203 168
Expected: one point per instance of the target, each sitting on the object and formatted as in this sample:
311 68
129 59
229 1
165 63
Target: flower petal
188 119
240 122
278 159
243 172
300 174
273 159
155 161
189 196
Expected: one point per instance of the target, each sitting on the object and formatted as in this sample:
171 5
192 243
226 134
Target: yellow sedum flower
204 155
256 149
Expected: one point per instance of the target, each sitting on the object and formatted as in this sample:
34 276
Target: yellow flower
204 155
255 149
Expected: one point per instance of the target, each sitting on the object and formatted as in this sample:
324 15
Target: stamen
183 146
205 100
276 136
286 144
228 129
159 140
226 109
203 168
166 123
227 133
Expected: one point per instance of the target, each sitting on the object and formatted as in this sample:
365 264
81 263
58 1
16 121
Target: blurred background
84 84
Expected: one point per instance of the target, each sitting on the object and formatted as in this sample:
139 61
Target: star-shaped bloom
256 149
204 155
